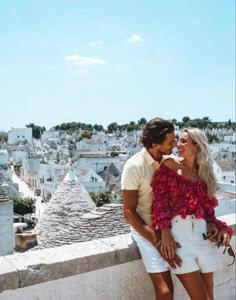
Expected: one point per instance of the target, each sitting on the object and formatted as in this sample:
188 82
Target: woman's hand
168 244
212 232
223 237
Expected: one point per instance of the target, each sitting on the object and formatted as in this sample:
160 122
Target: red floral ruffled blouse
175 195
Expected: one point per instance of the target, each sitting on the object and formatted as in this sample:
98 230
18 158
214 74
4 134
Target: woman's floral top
175 195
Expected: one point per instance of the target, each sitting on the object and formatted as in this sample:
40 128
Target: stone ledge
9 275
30 268
34 267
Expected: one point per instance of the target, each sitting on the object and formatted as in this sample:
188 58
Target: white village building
17 135
223 171
4 157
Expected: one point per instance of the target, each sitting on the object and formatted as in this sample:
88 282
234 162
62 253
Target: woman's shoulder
171 163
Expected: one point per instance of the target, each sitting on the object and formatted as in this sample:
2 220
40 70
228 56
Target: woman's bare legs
163 285
198 286
208 279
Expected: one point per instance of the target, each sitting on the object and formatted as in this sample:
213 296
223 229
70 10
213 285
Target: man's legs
163 285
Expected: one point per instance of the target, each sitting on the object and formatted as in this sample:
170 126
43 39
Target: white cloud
95 44
72 57
134 38
85 60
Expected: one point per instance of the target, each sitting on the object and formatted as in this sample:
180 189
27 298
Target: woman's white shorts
196 253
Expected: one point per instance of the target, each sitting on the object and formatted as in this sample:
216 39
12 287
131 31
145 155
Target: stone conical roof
71 217
68 203
105 221
112 170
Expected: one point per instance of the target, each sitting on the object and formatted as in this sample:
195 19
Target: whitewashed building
17 135
4 157
97 161
50 176
18 153
223 171
90 180
91 145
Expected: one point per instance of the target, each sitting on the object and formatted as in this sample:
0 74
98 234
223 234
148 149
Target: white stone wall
4 159
223 176
98 270
18 155
6 228
227 187
20 134
98 164
90 146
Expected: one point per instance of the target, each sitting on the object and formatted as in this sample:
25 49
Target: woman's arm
224 231
161 211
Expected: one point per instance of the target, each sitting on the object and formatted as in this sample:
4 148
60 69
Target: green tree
142 121
207 119
199 123
112 127
36 130
86 135
23 206
4 138
98 127
100 198
185 119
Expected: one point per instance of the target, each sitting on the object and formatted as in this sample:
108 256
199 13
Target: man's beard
164 153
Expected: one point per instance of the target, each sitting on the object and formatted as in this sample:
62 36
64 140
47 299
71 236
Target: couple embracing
169 204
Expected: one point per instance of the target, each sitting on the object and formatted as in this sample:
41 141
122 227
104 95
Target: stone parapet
30 268
6 227
104 269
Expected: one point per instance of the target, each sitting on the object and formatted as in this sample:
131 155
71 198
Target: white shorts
195 252
152 260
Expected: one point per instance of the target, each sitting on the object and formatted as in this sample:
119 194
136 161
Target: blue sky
105 61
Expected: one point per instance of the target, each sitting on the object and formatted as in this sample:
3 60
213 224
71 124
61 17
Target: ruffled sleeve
210 216
161 213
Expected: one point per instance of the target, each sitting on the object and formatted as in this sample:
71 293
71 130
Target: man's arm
130 201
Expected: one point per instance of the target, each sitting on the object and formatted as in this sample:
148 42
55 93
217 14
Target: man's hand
174 262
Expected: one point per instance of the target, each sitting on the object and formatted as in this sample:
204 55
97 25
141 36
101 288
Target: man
158 139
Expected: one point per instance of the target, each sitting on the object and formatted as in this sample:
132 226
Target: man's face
166 147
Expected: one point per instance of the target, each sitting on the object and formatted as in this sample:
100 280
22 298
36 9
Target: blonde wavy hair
203 159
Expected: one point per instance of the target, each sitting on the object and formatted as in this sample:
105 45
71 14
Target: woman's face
185 146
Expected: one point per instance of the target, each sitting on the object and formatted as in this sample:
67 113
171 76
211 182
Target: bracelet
158 244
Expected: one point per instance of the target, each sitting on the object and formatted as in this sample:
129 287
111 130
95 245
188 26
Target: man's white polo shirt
137 175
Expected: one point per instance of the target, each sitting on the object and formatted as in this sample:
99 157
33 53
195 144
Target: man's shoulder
135 159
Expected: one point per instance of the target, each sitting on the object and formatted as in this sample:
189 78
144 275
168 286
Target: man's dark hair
155 132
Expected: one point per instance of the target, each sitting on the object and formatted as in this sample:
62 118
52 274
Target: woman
183 203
